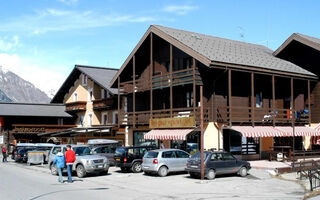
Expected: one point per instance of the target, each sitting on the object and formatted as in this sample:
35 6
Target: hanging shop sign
183 122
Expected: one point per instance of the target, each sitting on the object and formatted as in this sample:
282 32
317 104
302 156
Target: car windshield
151 154
82 151
196 156
120 151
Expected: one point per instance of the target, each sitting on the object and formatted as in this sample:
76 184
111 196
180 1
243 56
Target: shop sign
29 130
183 122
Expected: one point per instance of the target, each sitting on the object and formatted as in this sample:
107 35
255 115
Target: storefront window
138 139
250 146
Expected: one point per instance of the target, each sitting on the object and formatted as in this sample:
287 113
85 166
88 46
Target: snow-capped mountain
15 89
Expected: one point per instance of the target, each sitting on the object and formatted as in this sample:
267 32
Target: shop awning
259 131
299 130
167 134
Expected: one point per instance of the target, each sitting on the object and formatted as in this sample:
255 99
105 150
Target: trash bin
35 157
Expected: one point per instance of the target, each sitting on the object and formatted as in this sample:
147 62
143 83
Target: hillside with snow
15 89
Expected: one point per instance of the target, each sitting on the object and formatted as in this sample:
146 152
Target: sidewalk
270 165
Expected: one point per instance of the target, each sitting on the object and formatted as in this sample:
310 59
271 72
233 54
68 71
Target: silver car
163 161
85 161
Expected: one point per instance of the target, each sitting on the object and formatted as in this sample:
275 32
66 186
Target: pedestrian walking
70 158
4 154
162 145
60 162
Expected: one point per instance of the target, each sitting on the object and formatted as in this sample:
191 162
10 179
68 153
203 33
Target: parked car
104 147
85 162
21 151
216 163
163 161
130 158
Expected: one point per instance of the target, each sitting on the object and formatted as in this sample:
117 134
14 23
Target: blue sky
42 40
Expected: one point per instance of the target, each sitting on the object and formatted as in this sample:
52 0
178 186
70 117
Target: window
259 100
60 121
103 94
216 156
104 118
143 151
90 94
81 120
98 150
189 97
56 150
115 117
228 156
84 80
133 152
181 154
90 119
75 96
168 154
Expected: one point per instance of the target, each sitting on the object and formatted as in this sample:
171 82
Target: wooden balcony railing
76 106
103 103
184 76
143 117
264 115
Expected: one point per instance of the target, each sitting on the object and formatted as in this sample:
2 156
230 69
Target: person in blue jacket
60 161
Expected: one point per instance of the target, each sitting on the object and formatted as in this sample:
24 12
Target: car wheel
136 167
243 172
163 171
81 172
193 175
211 174
54 170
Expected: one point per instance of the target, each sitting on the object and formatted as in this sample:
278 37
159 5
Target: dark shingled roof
233 52
33 110
102 76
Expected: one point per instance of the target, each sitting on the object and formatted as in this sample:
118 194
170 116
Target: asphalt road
19 181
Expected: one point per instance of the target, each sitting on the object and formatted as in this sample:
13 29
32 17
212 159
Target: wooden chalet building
22 122
252 99
87 96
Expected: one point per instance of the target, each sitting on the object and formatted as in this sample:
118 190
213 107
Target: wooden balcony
260 115
180 77
100 104
143 117
76 106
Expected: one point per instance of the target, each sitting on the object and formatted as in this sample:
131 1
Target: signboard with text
183 122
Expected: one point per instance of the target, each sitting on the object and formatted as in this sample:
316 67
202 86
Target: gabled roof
100 75
33 110
304 39
211 50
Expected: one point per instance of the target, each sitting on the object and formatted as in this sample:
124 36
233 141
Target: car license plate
117 159
100 166
193 166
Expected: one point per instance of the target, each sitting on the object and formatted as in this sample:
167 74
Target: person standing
59 160
70 158
4 154
162 145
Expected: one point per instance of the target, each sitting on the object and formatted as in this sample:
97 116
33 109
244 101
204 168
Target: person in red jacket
4 154
70 158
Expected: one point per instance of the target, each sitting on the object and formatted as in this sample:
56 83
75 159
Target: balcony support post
273 101
194 86
134 90
170 74
252 99
151 74
119 102
229 97
309 102
292 113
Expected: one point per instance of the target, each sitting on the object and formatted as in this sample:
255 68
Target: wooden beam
194 86
151 74
292 102
230 97
170 73
252 99
119 102
273 100
202 134
309 102
134 90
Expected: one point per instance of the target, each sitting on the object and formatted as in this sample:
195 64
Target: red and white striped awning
259 131
299 130
167 134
